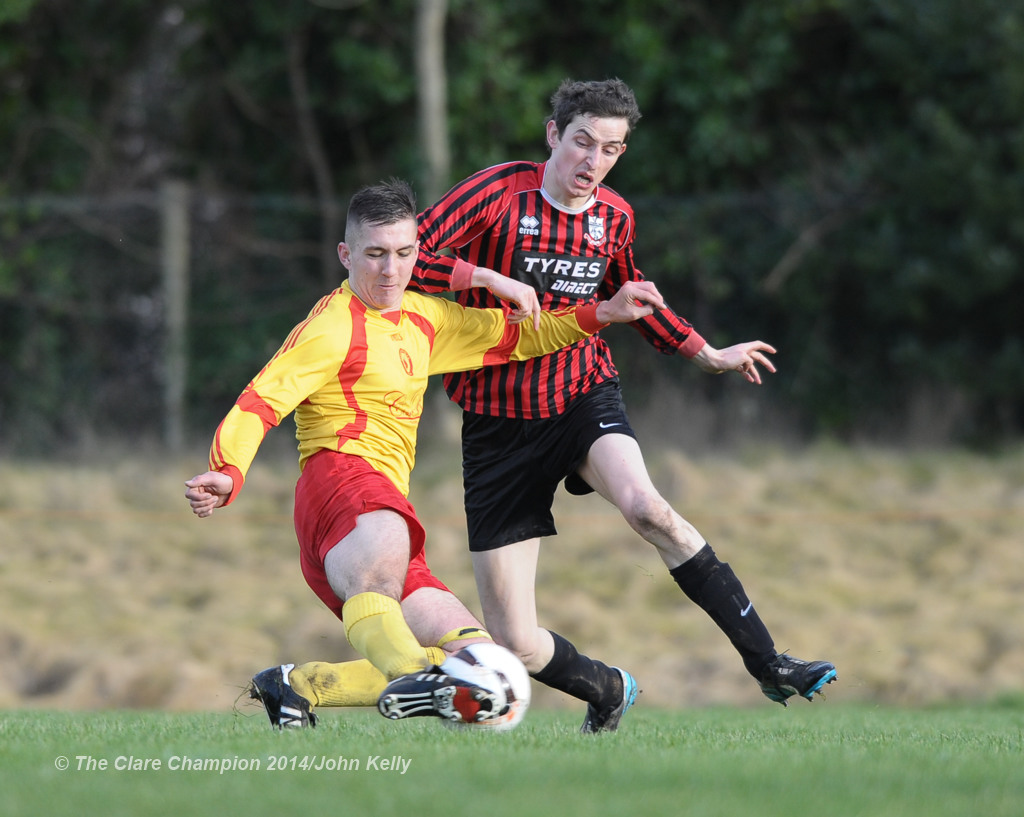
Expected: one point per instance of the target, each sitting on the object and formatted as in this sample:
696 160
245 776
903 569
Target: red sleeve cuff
693 344
238 480
462 275
586 317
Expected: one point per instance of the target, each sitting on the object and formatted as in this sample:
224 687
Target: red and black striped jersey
501 218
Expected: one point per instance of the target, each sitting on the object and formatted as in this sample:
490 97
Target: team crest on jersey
406 361
529 225
595 229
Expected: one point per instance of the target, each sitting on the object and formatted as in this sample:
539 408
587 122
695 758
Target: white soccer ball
501 673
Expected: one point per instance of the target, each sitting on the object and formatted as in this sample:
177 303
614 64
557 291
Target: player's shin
375 626
714 587
348 683
575 674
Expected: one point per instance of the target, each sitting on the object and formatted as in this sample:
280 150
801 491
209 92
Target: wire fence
142 315
122 314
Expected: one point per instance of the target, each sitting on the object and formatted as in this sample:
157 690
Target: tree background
843 179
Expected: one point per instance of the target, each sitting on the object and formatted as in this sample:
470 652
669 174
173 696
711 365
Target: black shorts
511 468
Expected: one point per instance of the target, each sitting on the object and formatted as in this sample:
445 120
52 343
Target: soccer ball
501 673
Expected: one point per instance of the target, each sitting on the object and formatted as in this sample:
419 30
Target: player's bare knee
650 516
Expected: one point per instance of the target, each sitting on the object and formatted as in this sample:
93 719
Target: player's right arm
306 360
209 491
515 292
466 211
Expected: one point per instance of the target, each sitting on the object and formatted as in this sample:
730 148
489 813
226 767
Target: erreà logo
529 225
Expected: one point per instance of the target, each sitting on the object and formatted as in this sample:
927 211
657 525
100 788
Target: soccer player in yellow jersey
354 372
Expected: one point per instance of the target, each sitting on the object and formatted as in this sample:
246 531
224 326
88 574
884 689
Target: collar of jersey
392 315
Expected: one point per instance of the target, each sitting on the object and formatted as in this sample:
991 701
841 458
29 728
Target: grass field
128 629
903 568
818 759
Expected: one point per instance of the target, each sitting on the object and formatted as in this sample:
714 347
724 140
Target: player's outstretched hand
208 491
636 299
743 358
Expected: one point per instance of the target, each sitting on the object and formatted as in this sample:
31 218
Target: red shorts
332 492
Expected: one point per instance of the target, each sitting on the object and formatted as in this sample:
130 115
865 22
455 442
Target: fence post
174 262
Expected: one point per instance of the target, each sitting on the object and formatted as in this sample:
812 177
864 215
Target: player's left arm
743 358
468 338
664 329
671 334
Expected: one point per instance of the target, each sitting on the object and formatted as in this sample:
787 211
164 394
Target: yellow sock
375 626
349 683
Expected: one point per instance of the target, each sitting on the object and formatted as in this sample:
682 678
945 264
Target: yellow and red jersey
355 377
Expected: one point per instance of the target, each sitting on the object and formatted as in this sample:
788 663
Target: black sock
584 678
713 586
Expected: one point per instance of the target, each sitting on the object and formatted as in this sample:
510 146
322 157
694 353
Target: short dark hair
602 98
381 204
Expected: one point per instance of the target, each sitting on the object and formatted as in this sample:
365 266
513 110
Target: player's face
582 156
380 260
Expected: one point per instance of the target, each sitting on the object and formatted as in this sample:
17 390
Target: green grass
808 760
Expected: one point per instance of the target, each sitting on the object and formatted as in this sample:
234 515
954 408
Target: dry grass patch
905 569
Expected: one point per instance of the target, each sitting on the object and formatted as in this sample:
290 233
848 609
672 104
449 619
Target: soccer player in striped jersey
354 373
527 425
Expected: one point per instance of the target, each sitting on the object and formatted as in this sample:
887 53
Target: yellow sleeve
467 338
307 359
